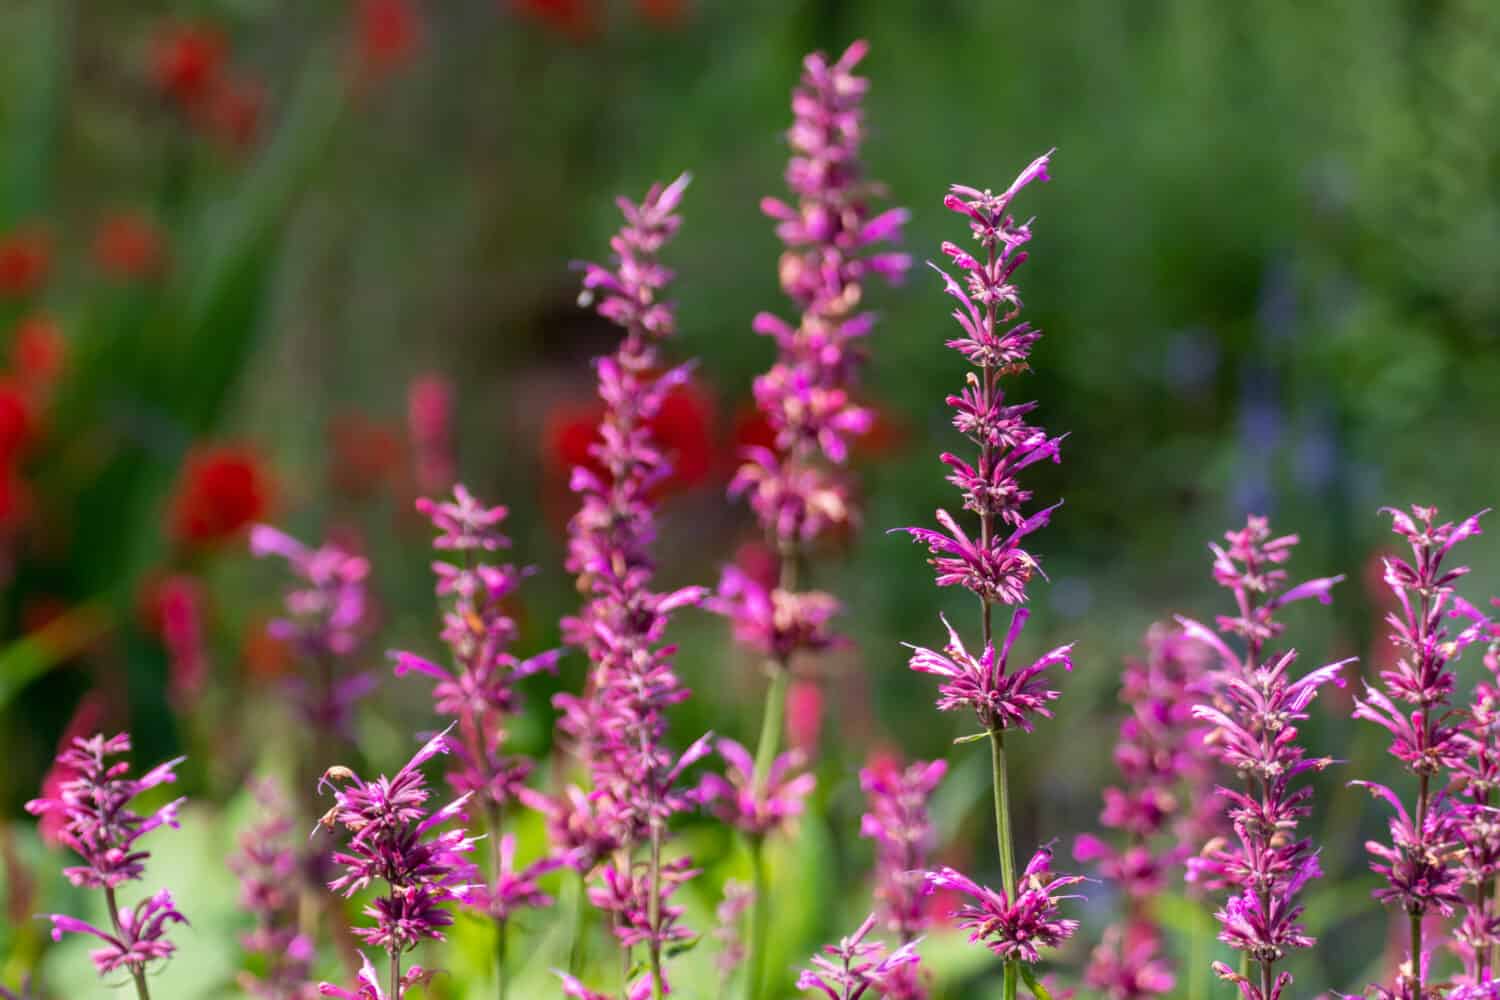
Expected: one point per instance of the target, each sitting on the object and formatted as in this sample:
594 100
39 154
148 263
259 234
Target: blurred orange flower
223 489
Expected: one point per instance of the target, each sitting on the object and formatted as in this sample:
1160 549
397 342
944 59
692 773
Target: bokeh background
245 245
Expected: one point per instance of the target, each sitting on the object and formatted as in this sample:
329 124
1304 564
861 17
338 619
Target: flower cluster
1428 738
758 811
1252 713
268 869
393 839
852 968
326 617
619 725
1015 926
1478 820
1164 772
100 826
1002 698
479 693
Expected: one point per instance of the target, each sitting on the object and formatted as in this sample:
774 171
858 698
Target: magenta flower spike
1165 770
1440 844
268 869
618 726
1015 926
101 827
479 690
1251 705
799 488
326 619
734 798
393 838
1476 824
899 823
989 560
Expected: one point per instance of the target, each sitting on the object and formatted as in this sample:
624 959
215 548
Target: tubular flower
899 822
854 967
1014 929
98 824
1002 698
326 619
392 837
1251 705
735 799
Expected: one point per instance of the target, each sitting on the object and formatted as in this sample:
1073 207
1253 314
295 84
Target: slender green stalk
759 921
1003 838
772 722
580 912
395 973
653 909
137 972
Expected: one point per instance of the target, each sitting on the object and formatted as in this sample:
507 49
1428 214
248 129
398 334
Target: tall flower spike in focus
1252 704
990 562
393 838
479 692
1162 759
797 488
618 726
1427 737
100 826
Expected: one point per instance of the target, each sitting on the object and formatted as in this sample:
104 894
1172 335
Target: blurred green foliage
1264 265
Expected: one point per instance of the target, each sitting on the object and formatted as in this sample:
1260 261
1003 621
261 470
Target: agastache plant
1427 737
619 725
102 828
479 691
268 867
1252 707
797 488
325 620
993 565
1162 762
900 824
1477 939
392 837
856 968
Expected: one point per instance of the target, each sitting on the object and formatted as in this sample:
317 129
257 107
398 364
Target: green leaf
24 660
971 738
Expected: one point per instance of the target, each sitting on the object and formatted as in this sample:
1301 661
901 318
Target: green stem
576 947
137 972
396 974
759 921
773 721
500 942
1003 838
653 910
1416 954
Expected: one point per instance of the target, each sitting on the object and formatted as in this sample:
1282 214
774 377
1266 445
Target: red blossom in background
682 428
366 454
129 246
575 18
222 491
388 34
187 60
233 112
429 427
17 420
38 350
25 259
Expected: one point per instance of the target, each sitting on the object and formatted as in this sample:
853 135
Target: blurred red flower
38 350
751 429
683 429
663 12
25 256
366 454
572 17
223 489
388 35
88 719
804 716
429 426
13 496
17 420
187 60
233 112
128 246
